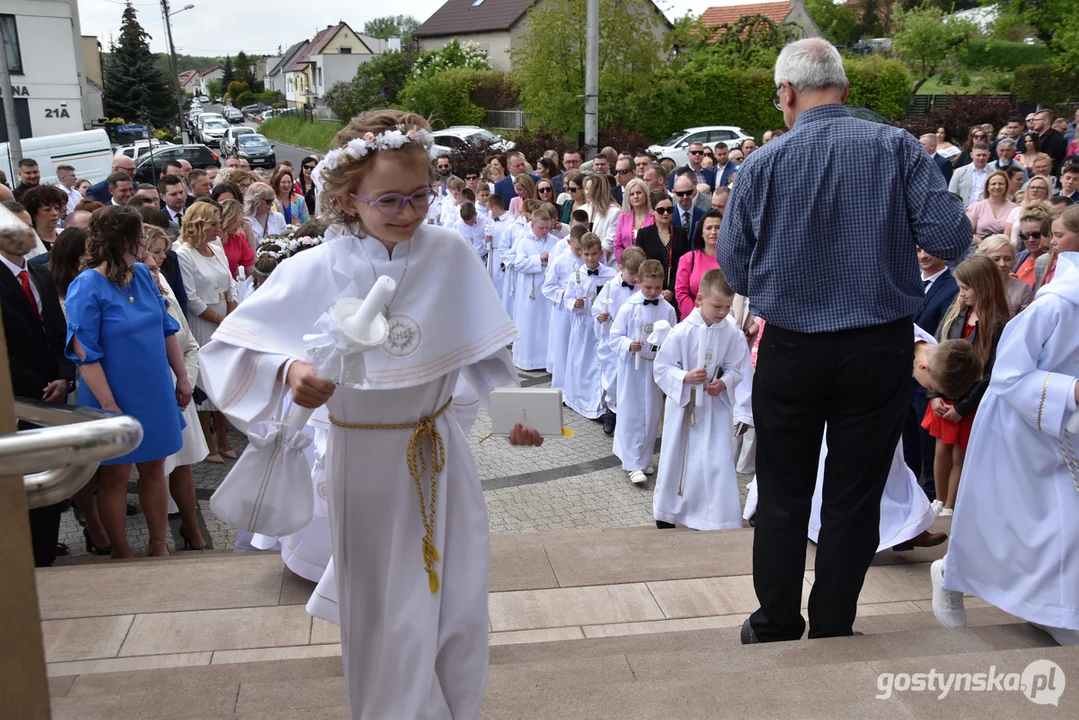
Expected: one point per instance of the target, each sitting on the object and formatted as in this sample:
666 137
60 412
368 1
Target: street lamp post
172 62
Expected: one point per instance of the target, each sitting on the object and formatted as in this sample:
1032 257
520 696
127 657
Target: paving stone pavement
569 483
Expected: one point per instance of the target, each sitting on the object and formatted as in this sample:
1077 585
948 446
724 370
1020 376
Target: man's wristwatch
70 386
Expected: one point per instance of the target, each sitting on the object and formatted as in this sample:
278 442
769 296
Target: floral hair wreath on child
284 246
359 148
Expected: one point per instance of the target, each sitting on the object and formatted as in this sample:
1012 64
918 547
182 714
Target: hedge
1044 85
883 86
445 98
1002 54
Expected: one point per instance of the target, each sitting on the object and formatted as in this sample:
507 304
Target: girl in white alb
408 523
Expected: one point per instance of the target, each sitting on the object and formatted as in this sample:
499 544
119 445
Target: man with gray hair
837 347
929 142
1006 158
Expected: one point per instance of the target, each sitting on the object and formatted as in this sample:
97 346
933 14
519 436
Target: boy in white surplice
533 311
408 523
584 386
638 395
698 368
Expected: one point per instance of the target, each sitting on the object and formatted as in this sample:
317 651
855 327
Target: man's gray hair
929 139
811 64
1006 143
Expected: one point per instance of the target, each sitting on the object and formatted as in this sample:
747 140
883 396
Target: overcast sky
258 27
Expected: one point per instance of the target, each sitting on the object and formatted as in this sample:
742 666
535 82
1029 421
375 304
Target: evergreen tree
243 70
229 75
135 88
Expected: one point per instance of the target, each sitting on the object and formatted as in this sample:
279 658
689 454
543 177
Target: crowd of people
652 295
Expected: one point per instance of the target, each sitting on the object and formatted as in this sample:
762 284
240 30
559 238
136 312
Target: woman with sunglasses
1033 243
977 135
573 184
664 241
307 185
258 206
1037 190
545 191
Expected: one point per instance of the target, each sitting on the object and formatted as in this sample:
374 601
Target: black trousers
919 447
858 382
45 531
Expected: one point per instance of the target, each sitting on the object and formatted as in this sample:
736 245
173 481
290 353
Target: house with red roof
792 14
332 56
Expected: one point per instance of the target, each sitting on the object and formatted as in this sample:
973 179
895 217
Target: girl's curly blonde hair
347 175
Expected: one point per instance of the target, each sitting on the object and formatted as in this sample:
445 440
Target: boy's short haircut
577 232
456 184
531 206
579 215
468 211
590 241
468 194
495 200
551 210
714 281
649 269
956 366
632 259
540 215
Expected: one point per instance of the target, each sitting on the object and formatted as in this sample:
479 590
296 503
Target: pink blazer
623 232
691 268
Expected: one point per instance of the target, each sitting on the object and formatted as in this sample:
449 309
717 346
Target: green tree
926 39
398 26
243 69
135 89
1054 22
236 89
839 23
550 61
228 74
377 84
872 23
750 41
213 88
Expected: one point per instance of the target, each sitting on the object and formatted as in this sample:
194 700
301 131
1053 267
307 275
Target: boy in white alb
483 191
533 311
698 368
449 214
521 227
560 272
638 395
473 229
499 238
584 386
407 517
604 311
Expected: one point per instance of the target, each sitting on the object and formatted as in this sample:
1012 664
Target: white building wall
50 80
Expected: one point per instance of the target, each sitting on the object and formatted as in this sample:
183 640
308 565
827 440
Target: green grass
979 85
314 136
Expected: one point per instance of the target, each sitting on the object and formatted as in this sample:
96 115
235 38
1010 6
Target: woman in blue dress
121 335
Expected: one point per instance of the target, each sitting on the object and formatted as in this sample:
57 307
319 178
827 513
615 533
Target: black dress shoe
748 636
609 419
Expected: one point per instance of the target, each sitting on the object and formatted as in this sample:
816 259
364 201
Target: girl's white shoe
936 506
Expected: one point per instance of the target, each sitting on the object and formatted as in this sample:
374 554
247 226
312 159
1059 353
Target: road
290 153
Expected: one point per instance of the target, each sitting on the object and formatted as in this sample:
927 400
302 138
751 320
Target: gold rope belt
422 429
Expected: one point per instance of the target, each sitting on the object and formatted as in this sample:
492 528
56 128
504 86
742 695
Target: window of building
345 50
477 3
11 44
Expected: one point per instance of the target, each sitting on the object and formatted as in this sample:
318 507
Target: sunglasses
472 177
308 167
572 188
545 190
979 136
1028 236
664 210
268 201
685 193
622 172
696 152
443 167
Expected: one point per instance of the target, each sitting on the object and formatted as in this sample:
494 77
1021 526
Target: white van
89 152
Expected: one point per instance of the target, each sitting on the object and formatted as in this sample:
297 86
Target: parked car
461 135
269 113
233 115
254 109
88 151
141 147
256 150
149 167
204 98
228 142
211 131
676 145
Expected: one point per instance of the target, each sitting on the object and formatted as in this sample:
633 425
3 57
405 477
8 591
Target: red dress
238 252
950 433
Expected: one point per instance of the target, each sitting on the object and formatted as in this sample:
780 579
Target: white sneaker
650 470
945 512
638 478
948 606
936 506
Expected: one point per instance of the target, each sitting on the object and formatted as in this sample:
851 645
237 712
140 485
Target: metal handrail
58 458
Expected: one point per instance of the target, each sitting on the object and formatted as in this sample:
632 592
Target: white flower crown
285 246
370 143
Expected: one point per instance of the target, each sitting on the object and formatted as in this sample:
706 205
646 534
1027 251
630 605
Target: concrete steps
621 623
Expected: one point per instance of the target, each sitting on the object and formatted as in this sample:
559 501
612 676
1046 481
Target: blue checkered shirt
822 224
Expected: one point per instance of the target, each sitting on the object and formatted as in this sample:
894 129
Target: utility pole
14 143
591 80
172 63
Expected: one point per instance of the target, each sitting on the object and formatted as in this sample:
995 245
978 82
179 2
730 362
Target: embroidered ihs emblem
404 336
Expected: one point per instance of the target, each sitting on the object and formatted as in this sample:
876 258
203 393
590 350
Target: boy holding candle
562 271
698 368
584 386
638 395
605 309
